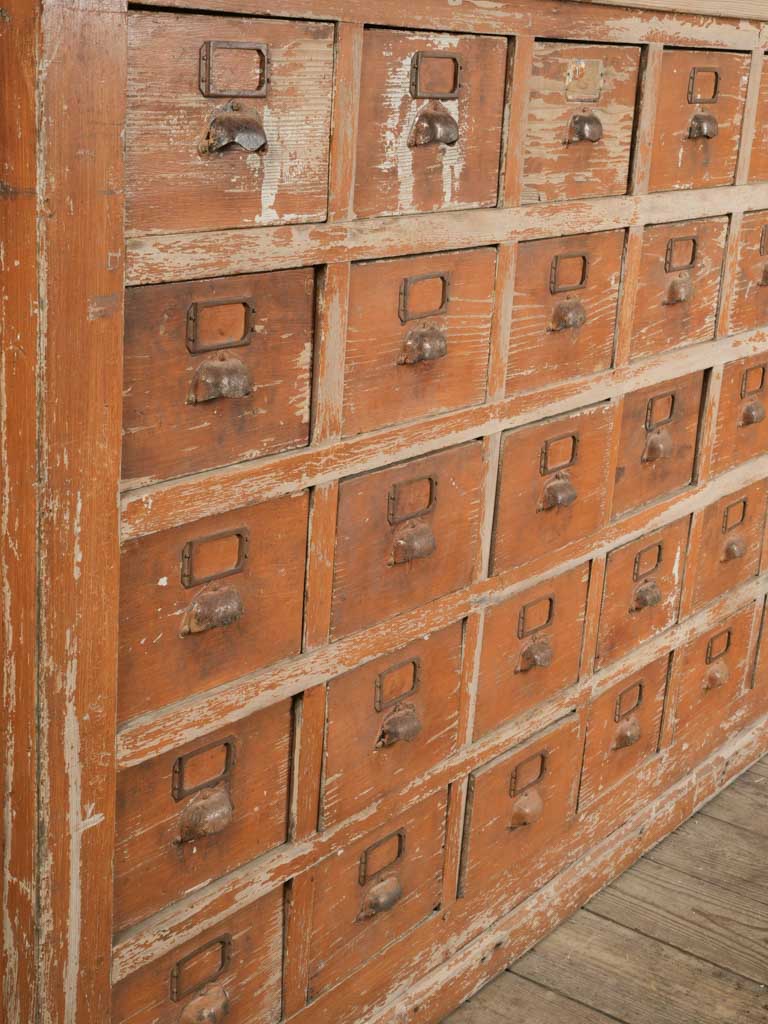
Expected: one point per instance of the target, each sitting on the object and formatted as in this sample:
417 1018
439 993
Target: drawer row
194 816
229 121
220 371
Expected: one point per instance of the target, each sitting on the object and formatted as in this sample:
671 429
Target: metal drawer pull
647 595
558 493
225 377
716 677
754 412
413 540
628 733
585 128
703 126
207 813
423 345
381 897
680 290
209 1007
402 725
569 316
212 609
658 445
233 127
433 127
527 809
539 654
734 550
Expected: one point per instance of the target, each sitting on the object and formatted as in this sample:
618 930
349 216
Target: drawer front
216 372
566 294
581 114
641 596
677 297
376 890
742 424
749 305
429 132
205 603
405 535
519 808
731 543
657 447
758 168
228 122
623 730
698 119
552 485
708 678
231 971
389 722
418 337
531 648
758 682
189 816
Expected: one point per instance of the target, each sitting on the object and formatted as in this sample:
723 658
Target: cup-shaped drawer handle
538 654
558 493
434 127
403 725
680 290
753 412
208 1007
412 541
717 676
527 809
423 345
207 813
734 550
224 377
658 446
628 733
569 315
381 896
585 128
212 609
703 126
647 595
233 128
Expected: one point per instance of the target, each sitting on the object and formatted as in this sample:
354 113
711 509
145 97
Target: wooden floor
681 938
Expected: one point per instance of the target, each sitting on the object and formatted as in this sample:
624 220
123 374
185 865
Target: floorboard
511 997
745 804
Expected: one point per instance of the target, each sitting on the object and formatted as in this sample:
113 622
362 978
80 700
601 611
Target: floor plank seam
568 996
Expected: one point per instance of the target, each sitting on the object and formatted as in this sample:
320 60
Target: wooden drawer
749 305
581 113
228 121
519 808
215 372
531 648
375 890
552 485
657 447
230 971
429 132
418 337
677 297
731 542
708 677
188 816
641 595
742 425
698 119
205 603
623 730
389 722
566 294
758 168
405 535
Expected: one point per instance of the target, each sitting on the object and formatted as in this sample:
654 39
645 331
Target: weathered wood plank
528 1001
744 804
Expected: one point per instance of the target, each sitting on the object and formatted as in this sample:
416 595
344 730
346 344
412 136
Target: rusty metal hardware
717 676
413 540
222 377
394 516
209 1007
423 345
418 89
406 287
208 86
584 81
671 263
363 874
558 493
752 413
695 93
703 126
401 725
538 654
641 567
680 290
585 128
207 813
189 577
658 445
527 809
628 733
647 595
380 701
213 608
195 345
762 280
568 315
556 287
734 549
233 127
382 896
434 126
524 630
180 790
185 975
552 447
